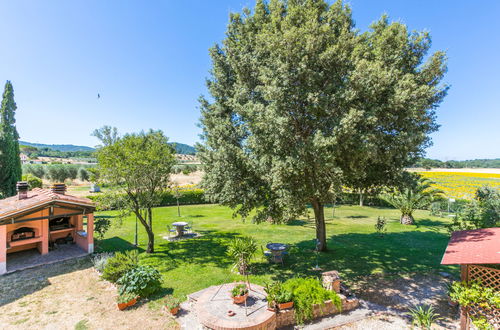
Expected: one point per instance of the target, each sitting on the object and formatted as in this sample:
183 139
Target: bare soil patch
399 292
70 295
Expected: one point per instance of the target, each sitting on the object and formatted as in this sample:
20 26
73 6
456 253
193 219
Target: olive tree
301 103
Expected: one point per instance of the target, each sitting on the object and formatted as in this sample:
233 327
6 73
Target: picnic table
277 250
179 226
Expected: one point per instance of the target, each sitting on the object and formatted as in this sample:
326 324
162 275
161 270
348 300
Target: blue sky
149 60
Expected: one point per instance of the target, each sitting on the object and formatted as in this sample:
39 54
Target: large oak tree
302 102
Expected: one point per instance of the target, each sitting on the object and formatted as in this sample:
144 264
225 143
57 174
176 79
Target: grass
355 249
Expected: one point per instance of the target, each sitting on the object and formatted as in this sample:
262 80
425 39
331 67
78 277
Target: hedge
168 198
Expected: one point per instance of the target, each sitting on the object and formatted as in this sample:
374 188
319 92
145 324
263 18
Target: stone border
287 317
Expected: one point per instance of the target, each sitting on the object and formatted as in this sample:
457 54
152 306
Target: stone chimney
58 188
22 188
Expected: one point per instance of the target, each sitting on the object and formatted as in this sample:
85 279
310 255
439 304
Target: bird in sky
98 95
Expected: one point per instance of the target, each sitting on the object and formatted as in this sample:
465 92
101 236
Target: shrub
172 302
125 298
239 290
141 280
32 180
306 293
380 226
118 265
101 226
474 293
100 261
423 316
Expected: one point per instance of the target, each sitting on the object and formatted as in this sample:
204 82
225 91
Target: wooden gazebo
476 251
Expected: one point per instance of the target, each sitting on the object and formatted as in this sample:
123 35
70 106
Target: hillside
180 148
57 147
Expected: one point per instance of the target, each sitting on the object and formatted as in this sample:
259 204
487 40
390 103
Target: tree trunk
147 223
319 216
407 219
361 198
151 236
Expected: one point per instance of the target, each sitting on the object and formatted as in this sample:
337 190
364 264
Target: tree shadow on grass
114 244
357 254
209 248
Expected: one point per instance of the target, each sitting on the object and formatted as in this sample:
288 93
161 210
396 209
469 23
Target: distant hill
183 149
180 148
472 163
57 147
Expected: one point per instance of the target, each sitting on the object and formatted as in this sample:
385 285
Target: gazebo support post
3 249
464 318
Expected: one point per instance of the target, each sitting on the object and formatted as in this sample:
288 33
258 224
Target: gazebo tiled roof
36 198
478 246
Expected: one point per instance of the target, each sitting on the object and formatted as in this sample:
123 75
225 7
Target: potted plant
125 300
270 290
172 304
284 299
239 293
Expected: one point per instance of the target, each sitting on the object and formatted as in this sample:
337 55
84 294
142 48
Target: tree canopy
302 103
139 165
10 163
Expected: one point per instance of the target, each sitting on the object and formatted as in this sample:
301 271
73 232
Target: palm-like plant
242 250
416 196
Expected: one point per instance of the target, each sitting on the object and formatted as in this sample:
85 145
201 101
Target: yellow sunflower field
461 184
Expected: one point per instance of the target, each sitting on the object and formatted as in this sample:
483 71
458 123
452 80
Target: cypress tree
10 162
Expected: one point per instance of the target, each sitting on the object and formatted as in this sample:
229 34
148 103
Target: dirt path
70 295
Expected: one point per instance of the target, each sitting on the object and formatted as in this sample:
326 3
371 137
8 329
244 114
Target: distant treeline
59 172
33 152
473 163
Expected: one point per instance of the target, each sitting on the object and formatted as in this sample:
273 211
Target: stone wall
287 317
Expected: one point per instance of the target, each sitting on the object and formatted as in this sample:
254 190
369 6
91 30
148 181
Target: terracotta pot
174 310
132 302
285 305
122 306
240 299
452 303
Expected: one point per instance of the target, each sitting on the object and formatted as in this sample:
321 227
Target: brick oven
39 218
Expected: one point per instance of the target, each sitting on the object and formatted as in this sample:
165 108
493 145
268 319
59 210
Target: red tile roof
479 246
38 197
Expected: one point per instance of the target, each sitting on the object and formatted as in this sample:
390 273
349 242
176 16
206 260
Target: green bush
32 180
120 264
141 280
307 292
167 198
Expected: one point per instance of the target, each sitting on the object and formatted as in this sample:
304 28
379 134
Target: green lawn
354 247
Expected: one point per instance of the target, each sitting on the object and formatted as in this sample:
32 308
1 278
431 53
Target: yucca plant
242 250
423 316
416 196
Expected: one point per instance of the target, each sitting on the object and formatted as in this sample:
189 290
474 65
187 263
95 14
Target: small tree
139 165
83 174
415 196
242 250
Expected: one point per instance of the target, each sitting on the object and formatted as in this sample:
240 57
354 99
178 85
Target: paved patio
32 258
